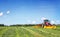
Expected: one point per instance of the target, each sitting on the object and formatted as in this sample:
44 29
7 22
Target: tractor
46 24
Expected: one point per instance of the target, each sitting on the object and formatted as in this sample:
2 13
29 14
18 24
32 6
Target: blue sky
29 11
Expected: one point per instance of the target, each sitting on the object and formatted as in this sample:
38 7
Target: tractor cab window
46 21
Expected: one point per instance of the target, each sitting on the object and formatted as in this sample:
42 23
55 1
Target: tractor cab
47 23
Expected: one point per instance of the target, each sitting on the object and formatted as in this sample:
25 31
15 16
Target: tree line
22 25
19 25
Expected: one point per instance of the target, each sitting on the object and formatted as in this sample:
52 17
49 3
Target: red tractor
47 24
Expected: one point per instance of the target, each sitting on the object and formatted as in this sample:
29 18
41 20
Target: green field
28 32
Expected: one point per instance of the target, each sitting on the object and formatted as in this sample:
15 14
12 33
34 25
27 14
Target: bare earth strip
32 32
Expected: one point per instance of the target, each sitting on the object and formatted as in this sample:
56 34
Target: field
28 32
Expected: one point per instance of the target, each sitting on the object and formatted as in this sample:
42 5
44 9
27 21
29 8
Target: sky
29 11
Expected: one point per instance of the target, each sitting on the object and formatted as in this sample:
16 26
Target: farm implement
46 24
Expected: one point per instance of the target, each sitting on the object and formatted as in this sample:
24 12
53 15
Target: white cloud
43 18
8 12
33 22
1 13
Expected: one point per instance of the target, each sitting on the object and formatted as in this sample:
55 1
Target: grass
29 32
